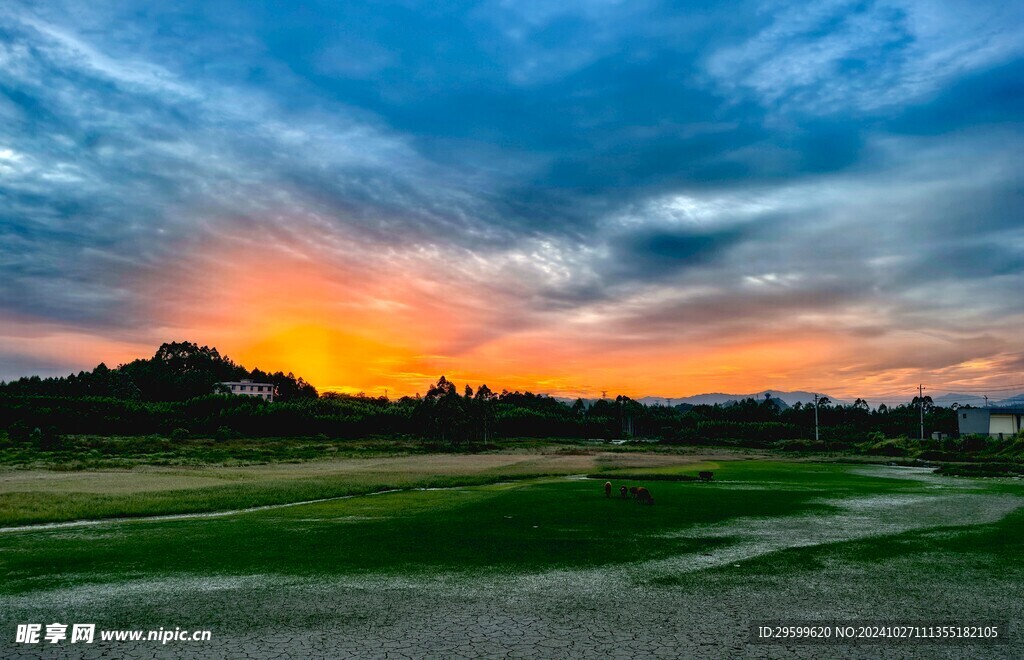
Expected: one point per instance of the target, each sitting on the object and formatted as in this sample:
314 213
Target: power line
975 389
947 390
886 395
889 395
877 395
975 384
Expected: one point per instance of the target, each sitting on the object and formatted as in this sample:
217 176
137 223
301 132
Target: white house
246 387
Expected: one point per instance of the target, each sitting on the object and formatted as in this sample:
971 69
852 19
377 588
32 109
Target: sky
635 197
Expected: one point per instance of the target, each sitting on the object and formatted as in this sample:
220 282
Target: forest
176 393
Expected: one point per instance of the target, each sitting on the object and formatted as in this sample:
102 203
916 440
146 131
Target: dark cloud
991 96
651 256
800 160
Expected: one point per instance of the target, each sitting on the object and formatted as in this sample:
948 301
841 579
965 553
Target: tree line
179 371
175 393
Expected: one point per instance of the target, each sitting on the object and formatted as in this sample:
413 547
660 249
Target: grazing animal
643 496
622 491
607 489
632 491
706 476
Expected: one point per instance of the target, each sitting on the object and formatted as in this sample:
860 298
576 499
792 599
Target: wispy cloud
517 191
841 56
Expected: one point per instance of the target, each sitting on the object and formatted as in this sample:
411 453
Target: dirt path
618 611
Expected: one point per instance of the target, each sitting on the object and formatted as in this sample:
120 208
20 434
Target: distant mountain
947 400
789 398
571 400
977 400
782 405
1015 400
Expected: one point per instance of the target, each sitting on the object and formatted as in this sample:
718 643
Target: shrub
897 447
224 433
801 445
982 469
46 439
974 442
939 455
180 434
19 432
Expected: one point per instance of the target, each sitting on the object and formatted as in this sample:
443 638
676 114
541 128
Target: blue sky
636 177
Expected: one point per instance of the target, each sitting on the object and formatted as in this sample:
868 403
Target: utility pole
986 399
920 399
816 417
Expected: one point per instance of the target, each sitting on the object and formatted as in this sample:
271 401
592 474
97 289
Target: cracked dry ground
573 614
700 604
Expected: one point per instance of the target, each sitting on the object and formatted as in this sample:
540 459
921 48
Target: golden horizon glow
397 327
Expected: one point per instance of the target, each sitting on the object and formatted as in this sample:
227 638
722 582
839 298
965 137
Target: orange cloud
353 319
354 322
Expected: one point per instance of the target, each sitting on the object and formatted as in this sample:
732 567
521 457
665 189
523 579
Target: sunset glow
755 220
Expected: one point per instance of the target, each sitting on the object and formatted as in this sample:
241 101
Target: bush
801 445
46 439
180 434
897 447
225 433
1013 451
19 432
939 455
974 442
982 470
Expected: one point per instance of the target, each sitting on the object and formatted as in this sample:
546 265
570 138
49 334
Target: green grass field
42 495
766 537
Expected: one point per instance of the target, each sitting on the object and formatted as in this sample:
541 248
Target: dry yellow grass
30 496
402 468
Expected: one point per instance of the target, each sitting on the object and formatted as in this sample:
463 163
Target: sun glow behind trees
354 320
351 320
525 206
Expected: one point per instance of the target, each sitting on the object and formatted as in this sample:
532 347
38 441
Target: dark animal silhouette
632 491
706 476
643 496
622 491
607 489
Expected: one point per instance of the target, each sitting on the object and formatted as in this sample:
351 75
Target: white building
995 422
246 387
